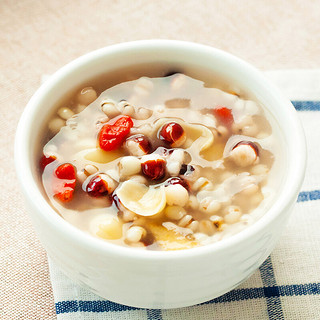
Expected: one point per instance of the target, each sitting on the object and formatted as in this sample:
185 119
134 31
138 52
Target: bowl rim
283 201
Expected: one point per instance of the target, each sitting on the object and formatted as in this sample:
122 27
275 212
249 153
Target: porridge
161 163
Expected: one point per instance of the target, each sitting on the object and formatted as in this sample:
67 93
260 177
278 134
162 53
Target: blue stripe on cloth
302 289
306 105
271 291
308 195
67 306
154 314
90 306
235 295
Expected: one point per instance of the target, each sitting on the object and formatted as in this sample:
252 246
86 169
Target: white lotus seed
173 167
243 155
176 194
177 155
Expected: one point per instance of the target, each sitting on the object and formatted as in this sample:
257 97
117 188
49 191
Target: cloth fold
286 286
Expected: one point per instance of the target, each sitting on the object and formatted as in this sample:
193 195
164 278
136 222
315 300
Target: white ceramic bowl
154 279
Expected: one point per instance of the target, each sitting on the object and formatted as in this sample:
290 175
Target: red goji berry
223 115
64 182
111 136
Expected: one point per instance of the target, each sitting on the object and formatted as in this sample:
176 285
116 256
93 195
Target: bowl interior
165 55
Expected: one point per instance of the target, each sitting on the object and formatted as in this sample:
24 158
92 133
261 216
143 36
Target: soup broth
161 163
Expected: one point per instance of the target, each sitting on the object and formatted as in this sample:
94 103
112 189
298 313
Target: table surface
38 37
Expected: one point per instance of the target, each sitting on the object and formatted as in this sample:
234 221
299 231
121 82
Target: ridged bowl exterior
158 284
